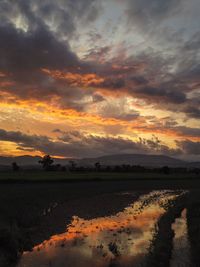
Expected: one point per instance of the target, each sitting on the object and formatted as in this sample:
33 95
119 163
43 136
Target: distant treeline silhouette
47 163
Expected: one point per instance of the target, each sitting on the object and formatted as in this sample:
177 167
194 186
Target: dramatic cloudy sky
94 77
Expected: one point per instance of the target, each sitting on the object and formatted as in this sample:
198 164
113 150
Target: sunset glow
79 78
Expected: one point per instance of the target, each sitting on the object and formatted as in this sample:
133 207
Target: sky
97 77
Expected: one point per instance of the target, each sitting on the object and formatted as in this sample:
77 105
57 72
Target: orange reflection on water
123 238
181 247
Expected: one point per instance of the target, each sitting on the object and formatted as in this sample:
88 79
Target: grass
44 176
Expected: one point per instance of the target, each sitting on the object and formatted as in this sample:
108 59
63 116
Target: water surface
119 240
181 247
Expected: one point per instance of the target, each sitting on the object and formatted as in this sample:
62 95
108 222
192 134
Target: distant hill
136 159
27 161
21 160
193 165
120 159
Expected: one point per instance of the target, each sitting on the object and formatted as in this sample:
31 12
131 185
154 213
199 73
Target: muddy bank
162 244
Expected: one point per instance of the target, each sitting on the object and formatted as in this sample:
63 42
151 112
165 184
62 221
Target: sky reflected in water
181 247
119 240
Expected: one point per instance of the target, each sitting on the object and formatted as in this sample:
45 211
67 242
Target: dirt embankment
161 247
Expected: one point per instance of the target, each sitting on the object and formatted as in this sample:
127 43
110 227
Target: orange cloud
6 84
75 79
53 114
10 149
2 75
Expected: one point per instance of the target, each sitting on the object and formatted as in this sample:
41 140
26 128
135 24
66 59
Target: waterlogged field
131 237
37 175
101 224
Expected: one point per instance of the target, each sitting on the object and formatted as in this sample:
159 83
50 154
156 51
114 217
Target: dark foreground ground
53 176
32 212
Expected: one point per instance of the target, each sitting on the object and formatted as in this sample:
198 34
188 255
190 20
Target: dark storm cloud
40 45
189 147
44 44
148 76
187 59
148 13
188 131
169 123
163 24
77 144
192 111
116 83
184 80
174 96
138 80
25 52
98 53
61 15
22 139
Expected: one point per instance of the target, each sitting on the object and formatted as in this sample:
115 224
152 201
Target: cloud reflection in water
122 239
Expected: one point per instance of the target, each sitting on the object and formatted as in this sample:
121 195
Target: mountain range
120 159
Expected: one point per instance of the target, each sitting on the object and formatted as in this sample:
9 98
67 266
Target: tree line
47 163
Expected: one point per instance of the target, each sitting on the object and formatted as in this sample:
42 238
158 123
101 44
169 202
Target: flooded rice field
151 231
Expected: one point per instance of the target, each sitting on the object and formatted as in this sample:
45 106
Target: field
33 212
37 175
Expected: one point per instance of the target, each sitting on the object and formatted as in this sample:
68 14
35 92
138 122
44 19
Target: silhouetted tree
108 168
196 171
97 166
125 167
72 165
63 168
57 167
166 170
15 167
46 162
